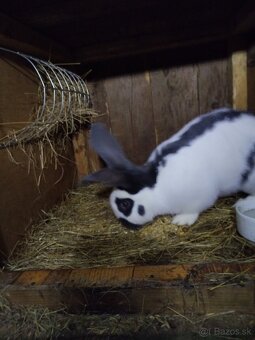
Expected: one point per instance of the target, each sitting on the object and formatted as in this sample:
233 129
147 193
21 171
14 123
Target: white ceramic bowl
246 222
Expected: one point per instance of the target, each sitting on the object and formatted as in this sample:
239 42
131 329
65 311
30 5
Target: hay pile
82 232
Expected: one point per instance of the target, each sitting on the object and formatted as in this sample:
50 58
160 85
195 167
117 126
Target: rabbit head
131 200
132 210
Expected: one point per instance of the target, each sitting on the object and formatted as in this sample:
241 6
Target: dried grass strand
82 232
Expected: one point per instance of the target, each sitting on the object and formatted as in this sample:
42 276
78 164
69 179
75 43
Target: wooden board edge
171 289
151 275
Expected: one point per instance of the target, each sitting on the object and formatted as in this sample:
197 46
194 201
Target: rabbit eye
125 205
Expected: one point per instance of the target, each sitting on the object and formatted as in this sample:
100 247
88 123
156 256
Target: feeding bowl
245 218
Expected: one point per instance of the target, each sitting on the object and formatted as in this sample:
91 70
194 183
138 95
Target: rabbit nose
129 225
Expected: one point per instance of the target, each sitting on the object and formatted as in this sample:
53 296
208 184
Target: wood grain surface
145 105
22 198
185 289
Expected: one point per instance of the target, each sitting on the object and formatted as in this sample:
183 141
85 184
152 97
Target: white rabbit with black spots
210 157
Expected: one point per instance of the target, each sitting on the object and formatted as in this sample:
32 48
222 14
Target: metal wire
64 104
54 79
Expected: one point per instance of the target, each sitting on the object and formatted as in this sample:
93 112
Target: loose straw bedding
24 322
83 232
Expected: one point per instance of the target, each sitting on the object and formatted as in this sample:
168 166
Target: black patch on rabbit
206 123
125 205
250 165
137 179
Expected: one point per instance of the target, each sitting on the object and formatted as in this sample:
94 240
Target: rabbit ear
107 176
108 148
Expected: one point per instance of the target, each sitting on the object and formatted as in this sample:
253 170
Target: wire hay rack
63 107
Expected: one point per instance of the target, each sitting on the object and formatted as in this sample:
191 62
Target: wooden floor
173 289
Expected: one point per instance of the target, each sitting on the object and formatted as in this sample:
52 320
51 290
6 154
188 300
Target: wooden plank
152 275
171 289
19 93
145 108
239 76
102 277
214 84
175 99
22 199
19 37
32 278
116 103
86 159
251 78
118 94
189 301
81 159
94 162
97 90
167 300
143 131
251 88
251 56
162 273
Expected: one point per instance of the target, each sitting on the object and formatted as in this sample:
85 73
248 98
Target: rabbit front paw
185 219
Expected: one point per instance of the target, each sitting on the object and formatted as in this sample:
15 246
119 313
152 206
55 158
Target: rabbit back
194 172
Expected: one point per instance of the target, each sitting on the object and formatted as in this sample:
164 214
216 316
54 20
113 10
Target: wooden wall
142 102
21 198
251 78
145 106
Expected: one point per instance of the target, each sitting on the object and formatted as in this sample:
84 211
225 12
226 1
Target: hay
62 108
82 232
47 125
22 322
63 104
47 135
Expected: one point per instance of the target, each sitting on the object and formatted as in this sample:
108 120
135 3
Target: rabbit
210 157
